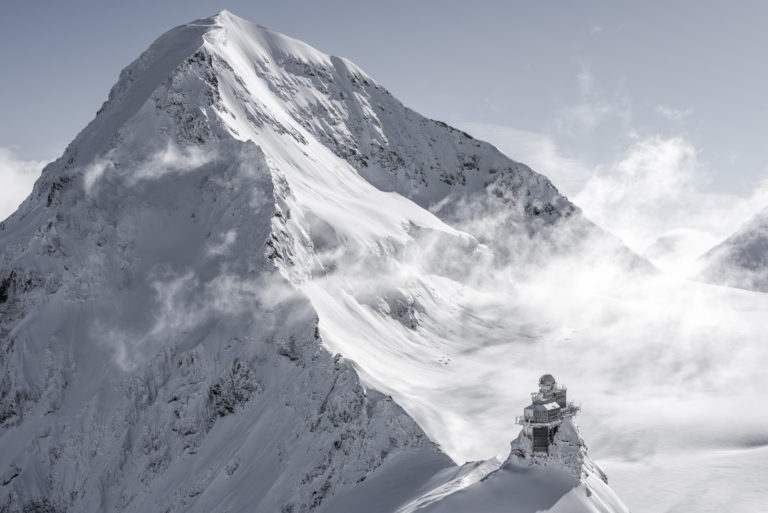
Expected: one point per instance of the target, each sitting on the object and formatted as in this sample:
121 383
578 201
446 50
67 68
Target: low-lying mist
668 371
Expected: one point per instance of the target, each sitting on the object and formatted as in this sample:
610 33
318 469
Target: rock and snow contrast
206 302
741 260
257 282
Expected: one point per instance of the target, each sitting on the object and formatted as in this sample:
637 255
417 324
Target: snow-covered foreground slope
564 480
741 260
169 291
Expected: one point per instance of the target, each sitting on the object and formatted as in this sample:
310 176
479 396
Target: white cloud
658 187
224 245
171 159
94 172
587 116
16 179
673 114
537 151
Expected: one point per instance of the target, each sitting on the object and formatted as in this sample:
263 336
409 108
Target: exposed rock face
567 451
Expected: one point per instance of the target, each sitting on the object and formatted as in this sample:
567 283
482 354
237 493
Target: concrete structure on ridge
547 411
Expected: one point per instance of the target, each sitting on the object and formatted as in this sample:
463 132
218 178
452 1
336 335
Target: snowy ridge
564 480
567 451
170 290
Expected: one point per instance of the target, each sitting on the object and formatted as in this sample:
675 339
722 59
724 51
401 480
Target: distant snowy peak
741 260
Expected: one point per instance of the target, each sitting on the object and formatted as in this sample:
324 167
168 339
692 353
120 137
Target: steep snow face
240 200
741 260
152 356
369 189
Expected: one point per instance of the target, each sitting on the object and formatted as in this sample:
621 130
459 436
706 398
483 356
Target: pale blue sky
572 88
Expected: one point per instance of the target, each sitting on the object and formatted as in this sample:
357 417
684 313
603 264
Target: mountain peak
225 13
238 43
195 239
260 40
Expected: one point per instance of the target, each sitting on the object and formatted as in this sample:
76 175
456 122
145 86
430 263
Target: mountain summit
211 301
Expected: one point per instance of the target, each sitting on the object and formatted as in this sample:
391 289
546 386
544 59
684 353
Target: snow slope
741 260
170 290
525 481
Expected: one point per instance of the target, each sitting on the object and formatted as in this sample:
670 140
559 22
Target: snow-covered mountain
741 260
219 297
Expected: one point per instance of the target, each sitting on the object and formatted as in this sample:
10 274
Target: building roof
543 406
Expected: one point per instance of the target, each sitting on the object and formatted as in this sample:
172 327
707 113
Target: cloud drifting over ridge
536 150
659 185
16 179
656 188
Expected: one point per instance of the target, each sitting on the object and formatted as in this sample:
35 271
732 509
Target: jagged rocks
567 451
233 389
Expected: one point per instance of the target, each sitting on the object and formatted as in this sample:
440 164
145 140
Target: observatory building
547 411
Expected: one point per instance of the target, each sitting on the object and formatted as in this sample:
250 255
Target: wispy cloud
658 186
536 150
672 113
586 80
170 159
17 176
585 117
